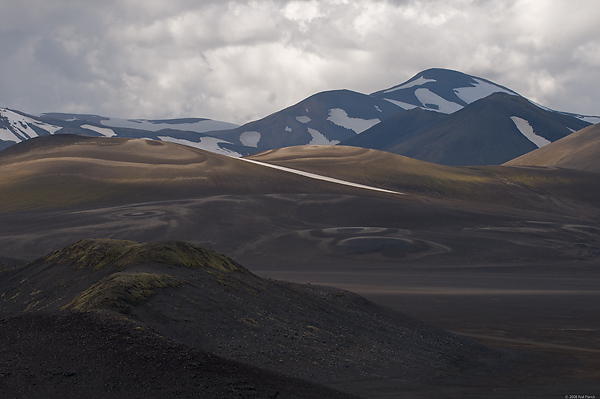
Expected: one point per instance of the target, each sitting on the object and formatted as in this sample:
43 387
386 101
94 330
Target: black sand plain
507 256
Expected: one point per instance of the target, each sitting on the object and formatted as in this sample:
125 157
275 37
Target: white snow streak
527 130
481 90
426 96
102 130
417 82
339 117
401 104
321 177
318 138
206 143
250 139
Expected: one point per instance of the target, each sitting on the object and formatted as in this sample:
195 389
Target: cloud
242 60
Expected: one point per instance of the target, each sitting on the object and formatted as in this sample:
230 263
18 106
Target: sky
238 61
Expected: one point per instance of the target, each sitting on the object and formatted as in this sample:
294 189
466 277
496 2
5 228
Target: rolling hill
579 151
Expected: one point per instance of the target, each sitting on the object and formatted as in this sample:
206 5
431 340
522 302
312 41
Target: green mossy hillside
119 291
96 254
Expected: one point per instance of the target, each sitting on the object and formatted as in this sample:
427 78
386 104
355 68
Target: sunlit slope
521 187
579 150
76 170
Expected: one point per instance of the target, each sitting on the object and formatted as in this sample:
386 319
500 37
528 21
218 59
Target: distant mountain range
439 115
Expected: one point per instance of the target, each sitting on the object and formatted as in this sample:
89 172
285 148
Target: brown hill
69 170
579 150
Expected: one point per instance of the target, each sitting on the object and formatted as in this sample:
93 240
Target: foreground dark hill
105 355
489 131
209 302
579 150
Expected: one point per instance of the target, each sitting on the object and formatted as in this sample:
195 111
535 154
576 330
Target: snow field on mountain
250 139
527 130
339 117
303 119
106 132
481 90
202 126
318 138
426 96
206 143
21 124
417 82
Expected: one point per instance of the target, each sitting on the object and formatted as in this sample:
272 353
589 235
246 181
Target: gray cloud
241 60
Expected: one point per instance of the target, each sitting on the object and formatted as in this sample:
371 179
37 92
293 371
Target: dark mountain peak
96 254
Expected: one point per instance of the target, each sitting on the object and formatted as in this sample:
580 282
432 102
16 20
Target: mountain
212 304
16 126
440 90
447 91
578 150
489 131
340 116
324 118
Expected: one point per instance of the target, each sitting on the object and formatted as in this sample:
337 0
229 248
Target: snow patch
417 82
22 124
481 90
250 139
303 119
527 130
401 104
590 119
102 130
202 126
206 143
7 135
288 129
318 138
378 109
444 106
339 117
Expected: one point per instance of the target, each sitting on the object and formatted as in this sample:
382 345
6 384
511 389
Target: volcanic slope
205 300
72 354
578 150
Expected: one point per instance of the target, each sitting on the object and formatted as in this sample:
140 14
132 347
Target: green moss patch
121 290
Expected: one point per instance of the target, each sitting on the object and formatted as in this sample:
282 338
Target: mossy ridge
96 254
92 253
189 255
121 290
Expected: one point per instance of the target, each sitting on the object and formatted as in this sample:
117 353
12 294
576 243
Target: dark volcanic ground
104 355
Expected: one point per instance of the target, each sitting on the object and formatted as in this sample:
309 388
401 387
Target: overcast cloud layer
241 60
